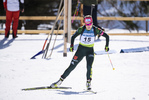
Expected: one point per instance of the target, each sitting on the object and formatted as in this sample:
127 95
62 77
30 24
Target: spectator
13 8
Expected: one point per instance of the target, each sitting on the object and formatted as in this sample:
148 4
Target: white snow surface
129 80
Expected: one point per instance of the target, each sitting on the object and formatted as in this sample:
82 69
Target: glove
106 48
71 48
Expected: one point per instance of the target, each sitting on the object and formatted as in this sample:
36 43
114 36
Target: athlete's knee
74 61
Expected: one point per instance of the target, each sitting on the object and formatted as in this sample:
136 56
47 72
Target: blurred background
113 8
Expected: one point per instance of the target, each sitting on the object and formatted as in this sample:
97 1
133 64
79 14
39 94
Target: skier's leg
89 59
76 59
8 23
15 23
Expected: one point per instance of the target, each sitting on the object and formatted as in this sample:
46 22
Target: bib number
87 40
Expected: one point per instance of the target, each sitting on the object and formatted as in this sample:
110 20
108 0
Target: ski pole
76 12
56 34
110 61
59 13
78 9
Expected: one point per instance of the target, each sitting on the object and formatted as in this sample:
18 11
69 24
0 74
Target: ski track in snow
129 80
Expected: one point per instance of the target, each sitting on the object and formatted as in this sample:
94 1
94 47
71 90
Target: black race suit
85 48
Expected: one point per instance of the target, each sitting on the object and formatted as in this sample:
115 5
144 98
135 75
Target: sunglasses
88 24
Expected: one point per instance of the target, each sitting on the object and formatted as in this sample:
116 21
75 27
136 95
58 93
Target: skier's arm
102 33
75 35
107 39
72 40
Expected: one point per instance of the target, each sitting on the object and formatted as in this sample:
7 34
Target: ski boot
56 84
88 85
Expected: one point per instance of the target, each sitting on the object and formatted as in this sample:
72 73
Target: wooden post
67 24
146 26
69 20
65 27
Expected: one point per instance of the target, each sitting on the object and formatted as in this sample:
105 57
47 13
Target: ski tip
24 89
91 91
33 58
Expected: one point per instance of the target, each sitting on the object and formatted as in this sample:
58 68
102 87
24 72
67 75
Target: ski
45 87
90 91
40 52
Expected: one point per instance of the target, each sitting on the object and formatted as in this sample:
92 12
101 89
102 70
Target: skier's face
89 25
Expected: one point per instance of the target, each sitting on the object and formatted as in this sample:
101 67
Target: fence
77 18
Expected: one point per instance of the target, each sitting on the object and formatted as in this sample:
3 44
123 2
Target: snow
129 80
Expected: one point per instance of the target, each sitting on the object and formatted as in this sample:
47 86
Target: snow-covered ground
129 80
